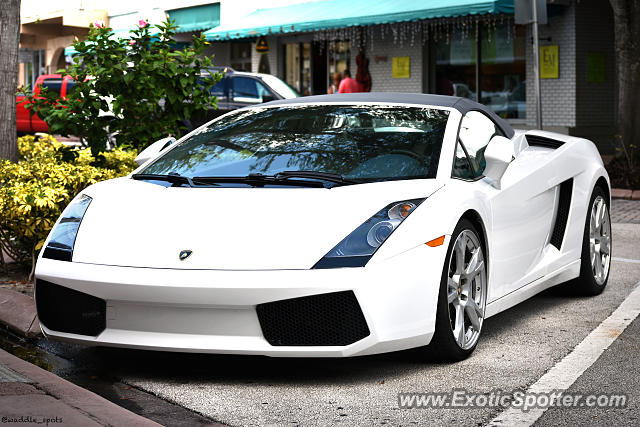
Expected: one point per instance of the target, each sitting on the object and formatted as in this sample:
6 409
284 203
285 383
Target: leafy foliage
35 190
141 88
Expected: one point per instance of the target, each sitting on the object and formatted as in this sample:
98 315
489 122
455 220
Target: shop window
456 64
298 67
305 72
292 65
34 65
503 69
241 56
339 58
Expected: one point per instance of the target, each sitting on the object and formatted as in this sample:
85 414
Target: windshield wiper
324 176
172 177
259 180
290 178
287 178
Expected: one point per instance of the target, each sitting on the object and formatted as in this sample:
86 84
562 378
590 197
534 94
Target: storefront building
44 35
469 48
451 47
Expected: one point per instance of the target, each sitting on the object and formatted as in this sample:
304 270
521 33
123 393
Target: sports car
336 225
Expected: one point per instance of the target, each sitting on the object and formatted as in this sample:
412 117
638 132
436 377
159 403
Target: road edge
78 398
18 312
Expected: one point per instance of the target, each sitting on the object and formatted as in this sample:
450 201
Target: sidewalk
30 395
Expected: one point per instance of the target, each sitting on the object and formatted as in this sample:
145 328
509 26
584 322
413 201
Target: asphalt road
516 349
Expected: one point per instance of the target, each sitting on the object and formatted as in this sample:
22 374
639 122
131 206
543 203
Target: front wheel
596 247
462 297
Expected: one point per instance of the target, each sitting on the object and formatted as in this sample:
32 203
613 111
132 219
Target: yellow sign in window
549 62
401 67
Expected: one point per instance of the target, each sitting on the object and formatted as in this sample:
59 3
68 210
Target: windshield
360 143
283 89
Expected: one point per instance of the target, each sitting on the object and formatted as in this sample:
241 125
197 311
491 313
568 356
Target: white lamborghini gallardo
333 225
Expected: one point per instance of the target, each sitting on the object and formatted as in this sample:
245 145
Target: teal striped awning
329 14
196 18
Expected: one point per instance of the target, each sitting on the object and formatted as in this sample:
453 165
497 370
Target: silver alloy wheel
600 240
466 289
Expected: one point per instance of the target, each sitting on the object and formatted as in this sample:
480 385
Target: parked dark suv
239 89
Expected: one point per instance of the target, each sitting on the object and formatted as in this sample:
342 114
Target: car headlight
63 235
358 247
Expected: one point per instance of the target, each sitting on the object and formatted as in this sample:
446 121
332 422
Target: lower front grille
333 319
65 310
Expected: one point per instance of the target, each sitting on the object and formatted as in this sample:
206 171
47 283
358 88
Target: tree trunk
626 17
9 42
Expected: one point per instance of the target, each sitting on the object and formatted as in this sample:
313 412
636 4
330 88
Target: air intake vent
562 216
333 319
66 310
541 141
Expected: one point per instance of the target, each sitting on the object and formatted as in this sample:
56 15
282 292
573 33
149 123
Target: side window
219 89
53 85
71 86
248 90
461 166
476 130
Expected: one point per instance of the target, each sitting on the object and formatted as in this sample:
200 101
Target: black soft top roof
461 104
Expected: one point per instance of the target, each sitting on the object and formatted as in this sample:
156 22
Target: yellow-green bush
34 191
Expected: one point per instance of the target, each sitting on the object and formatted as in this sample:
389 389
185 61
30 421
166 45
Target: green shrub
148 86
34 191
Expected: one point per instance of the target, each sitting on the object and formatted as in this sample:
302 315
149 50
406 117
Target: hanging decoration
407 34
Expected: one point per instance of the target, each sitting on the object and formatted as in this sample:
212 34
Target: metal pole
536 65
478 62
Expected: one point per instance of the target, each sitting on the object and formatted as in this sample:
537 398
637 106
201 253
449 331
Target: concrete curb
621 193
80 400
18 312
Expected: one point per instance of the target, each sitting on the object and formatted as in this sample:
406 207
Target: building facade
46 30
482 56
471 49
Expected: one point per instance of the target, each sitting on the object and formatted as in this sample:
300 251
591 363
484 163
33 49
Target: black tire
586 283
443 346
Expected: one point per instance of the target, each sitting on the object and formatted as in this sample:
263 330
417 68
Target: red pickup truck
26 123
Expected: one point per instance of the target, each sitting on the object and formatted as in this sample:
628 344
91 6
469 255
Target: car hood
140 224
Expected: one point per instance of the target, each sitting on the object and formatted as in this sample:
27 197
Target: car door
522 214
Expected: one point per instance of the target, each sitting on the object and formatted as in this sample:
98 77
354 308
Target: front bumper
214 311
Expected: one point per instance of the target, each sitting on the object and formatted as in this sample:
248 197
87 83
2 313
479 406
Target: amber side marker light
435 242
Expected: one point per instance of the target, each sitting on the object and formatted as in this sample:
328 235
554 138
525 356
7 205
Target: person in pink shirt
349 85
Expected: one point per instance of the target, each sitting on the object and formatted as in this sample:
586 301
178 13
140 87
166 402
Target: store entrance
319 76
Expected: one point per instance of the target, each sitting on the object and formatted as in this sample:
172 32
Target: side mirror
498 154
267 97
154 149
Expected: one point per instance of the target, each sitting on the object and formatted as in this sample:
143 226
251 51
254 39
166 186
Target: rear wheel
596 247
462 297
